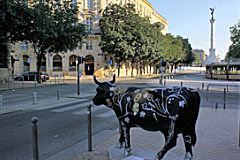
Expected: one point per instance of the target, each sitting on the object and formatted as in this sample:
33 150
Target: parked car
46 75
31 76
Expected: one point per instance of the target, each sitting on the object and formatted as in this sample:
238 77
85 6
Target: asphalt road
61 127
14 96
57 130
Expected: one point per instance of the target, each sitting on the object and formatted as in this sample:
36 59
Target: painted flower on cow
135 108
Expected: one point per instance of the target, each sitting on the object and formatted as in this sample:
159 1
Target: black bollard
224 98
207 88
181 84
35 81
161 79
34 94
34 121
202 86
1 102
89 127
58 94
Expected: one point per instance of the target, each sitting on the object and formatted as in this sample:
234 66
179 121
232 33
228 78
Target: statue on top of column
212 11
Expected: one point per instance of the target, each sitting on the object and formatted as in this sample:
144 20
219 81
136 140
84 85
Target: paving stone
217 132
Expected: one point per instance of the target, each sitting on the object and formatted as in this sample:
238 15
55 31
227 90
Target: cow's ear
114 79
95 80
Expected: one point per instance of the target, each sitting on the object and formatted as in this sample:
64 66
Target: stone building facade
65 63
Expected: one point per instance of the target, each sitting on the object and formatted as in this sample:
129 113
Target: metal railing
14 84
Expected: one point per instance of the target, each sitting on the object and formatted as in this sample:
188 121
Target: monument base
116 153
211 60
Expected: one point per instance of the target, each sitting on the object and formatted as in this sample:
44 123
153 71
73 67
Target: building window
26 63
90 24
72 63
25 45
57 63
43 64
89 45
90 4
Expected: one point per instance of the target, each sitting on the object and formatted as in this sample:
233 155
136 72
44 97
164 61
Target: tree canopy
234 49
14 19
49 26
128 37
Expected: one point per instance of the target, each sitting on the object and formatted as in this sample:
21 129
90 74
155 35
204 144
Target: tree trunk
39 60
150 68
140 66
119 65
132 69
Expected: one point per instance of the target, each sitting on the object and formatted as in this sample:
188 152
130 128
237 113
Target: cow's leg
189 140
126 135
188 147
170 141
121 138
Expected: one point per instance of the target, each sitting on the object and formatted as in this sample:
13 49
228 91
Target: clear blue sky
190 19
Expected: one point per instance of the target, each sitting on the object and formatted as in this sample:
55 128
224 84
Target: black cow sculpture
172 111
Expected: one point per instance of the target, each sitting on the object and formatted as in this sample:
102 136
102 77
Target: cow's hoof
120 145
158 156
188 156
127 152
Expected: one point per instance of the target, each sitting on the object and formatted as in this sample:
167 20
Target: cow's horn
114 79
95 80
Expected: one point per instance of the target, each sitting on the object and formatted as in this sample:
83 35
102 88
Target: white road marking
57 105
94 109
72 107
106 114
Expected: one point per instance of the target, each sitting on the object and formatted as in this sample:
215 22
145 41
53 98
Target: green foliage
54 27
234 49
197 58
128 37
49 26
14 20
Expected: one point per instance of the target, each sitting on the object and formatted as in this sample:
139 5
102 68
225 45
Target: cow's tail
191 131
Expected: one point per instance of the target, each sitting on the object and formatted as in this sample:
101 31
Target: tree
128 37
188 55
234 49
54 28
50 26
173 50
197 60
13 23
116 35
14 20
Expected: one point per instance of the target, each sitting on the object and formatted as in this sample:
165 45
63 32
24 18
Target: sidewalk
46 103
217 132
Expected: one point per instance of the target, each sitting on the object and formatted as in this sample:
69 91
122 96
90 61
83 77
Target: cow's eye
100 90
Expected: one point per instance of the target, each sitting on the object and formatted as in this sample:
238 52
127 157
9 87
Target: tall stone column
212 57
212 39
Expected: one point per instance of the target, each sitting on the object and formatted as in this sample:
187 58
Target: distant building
201 54
66 63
